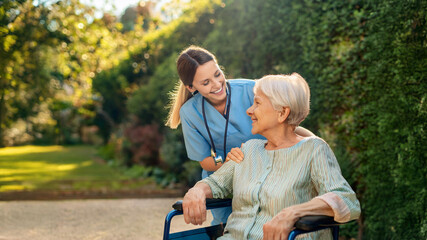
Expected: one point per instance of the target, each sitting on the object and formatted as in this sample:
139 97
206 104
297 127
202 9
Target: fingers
199 213
235 155
274 235
273 230
186 213
195 215
240 153
267 233
203 210
194 209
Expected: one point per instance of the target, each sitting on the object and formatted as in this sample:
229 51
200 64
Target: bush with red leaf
144 144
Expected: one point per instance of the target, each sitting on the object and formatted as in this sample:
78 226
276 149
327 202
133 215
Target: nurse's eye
205 83
218 74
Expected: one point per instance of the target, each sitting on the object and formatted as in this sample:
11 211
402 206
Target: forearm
208 164
313 207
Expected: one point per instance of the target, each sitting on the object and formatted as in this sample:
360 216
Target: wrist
203 189
295 212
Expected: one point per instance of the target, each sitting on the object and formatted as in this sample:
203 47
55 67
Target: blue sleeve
196 145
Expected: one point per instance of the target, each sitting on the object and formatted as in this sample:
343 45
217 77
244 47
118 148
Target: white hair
287 91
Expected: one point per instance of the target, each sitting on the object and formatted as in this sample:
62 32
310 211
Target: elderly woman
280 179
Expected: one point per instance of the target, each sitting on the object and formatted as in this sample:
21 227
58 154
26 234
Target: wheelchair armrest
306 223
211 203
310 223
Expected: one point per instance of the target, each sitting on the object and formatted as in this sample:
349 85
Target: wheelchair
304 225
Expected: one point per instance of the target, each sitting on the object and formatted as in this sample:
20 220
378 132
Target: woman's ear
284 114
190 88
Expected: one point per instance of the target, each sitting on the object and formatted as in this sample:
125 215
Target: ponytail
178 97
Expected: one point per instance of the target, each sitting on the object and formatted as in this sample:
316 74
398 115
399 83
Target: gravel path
141 219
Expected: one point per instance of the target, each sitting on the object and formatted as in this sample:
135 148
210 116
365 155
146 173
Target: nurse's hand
194 206
236 155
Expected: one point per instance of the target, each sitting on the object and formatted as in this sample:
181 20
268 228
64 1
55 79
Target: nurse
212 112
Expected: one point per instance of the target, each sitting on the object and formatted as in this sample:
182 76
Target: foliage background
65 75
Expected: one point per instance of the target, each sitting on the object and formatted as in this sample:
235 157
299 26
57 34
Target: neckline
287 148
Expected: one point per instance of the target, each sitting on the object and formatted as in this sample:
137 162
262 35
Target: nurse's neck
220 106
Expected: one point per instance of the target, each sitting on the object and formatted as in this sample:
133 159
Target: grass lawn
59 168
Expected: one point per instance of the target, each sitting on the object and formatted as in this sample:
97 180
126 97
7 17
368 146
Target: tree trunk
360 232
2 118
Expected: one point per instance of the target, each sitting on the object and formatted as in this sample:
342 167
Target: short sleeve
331 185
196 145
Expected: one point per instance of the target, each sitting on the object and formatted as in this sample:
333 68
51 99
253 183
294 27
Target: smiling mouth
218 91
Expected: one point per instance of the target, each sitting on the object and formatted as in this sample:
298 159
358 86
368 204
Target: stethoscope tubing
227 116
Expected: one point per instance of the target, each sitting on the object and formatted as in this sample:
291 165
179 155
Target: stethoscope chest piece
217 159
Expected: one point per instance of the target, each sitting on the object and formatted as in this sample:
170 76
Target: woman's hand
194 206
281 225
235 154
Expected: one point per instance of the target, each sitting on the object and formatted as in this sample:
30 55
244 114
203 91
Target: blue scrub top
196 137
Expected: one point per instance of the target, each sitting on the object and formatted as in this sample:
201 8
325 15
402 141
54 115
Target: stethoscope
218 159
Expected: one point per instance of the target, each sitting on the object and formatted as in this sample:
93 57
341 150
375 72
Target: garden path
127 219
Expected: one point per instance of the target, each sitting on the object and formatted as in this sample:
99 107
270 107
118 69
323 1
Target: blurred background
91 79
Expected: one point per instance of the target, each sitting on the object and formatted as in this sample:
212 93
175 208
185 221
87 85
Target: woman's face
264 117
210 82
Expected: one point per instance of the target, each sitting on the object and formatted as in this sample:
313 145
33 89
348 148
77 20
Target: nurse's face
210 82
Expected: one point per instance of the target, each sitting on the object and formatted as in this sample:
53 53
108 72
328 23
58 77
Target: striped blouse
268 181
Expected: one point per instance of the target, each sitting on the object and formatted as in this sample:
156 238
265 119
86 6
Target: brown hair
188 62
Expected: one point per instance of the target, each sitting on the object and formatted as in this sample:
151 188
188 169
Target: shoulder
253 144
244 87
316 144
241 82
189 107
315 140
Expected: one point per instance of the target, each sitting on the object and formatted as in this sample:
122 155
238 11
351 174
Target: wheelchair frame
306 224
